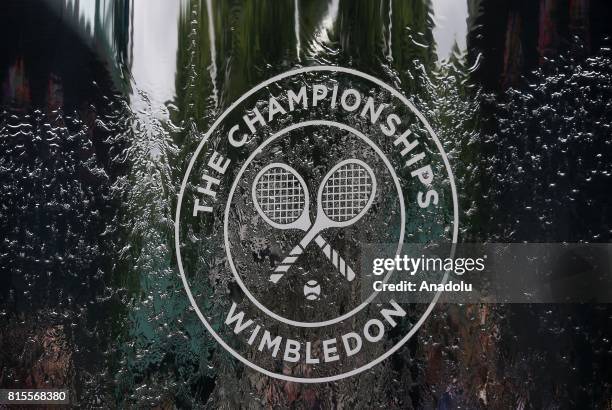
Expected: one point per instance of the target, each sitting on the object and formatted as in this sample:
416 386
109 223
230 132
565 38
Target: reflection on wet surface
104 102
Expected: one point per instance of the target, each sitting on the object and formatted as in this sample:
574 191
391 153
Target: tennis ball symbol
312 290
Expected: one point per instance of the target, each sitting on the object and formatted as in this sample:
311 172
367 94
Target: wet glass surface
103 104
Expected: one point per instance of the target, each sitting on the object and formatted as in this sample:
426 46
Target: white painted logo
272 270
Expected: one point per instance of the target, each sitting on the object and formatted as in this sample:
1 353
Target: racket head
281 197
346 193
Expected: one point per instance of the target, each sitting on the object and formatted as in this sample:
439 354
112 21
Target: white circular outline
423 317
257 151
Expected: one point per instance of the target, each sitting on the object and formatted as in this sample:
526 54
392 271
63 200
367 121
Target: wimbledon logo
280 200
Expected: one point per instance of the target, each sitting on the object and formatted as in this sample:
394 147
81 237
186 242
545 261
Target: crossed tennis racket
282 199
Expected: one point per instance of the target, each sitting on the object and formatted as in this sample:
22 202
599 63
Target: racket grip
336 260
286 264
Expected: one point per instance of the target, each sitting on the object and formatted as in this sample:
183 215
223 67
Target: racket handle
338 261
286 264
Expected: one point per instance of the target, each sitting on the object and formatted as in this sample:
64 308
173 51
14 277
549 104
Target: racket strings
280 195
346 192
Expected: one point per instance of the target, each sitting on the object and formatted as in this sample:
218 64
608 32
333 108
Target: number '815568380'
9 396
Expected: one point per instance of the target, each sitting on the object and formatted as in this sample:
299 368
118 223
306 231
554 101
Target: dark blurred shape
582 275
515 37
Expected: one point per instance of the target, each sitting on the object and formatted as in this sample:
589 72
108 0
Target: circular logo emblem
281 199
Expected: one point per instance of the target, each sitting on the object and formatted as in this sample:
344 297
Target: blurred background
103 102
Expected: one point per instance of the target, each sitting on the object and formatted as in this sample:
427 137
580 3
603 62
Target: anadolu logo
278 201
